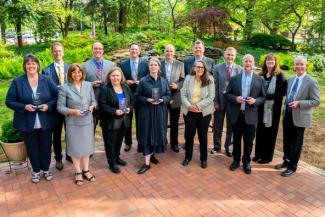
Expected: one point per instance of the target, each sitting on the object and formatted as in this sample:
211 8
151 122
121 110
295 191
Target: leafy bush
318 61
256 52
4 52
9 133
263 40
178 44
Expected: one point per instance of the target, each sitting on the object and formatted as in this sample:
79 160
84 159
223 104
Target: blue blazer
20 94
51 72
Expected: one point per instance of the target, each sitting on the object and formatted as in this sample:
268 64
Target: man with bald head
245 93
302 95
173 71
198 51
96 70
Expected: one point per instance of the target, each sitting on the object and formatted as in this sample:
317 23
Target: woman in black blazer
270 111
33 98
115 103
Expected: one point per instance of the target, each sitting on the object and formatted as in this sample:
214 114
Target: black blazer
143 70
108 104
257 91
20 94
51 72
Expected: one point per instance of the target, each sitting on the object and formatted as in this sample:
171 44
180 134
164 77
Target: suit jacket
207 94
308 96
91 72
257 91
71 98
108 104
220 77
51 72
20 94
178 76
188 63
143 70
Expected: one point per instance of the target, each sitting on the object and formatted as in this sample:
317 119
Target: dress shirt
246 81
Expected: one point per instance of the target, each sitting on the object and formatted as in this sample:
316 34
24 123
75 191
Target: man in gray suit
198 51
245 93
302 95
96 70
173 71
57 71
222 74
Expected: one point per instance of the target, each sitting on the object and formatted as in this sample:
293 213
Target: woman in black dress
153 96
269 113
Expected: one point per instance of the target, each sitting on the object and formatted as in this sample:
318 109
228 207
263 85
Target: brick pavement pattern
167 189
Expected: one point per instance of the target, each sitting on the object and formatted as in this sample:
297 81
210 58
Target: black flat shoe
255 159
175 148
154 160
114 169
121 162
186 162
234 165
287 172
143 169
59 165
247 168
228 153
281 165
204 164
127 147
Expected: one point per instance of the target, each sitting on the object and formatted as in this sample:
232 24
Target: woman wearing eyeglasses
197 99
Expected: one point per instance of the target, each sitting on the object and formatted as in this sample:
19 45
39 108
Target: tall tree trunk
148 12
3 30
122 16
66 26
248 29
19 33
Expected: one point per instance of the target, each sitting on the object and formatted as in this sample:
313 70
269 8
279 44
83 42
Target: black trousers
113 142
247 131
57 144
173 121
195 121
96 117
218 120
293 140
38 144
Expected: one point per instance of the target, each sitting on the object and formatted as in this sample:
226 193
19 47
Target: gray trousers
219 117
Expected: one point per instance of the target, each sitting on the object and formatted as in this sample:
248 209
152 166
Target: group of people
79 96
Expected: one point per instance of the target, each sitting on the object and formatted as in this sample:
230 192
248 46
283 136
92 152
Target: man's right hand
130 82
96 84
240 99
29 108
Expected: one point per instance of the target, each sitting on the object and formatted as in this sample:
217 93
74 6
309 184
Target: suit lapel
163 68
175 75
254 77
290 84
128 68
54 74
303 85
27 88
73 89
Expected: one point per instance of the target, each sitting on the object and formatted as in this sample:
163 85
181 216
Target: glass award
155 94
122 105
84 106
36 98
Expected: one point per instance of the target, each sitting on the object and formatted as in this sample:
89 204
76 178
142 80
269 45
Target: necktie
228 73
292 94
61 74
134 70
99 71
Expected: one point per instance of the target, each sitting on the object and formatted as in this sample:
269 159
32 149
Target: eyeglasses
199 67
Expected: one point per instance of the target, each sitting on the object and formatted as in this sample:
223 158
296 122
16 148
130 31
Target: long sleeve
62 102
12 98
211 94
184 93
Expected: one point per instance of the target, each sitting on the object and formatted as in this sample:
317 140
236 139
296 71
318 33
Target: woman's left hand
43 107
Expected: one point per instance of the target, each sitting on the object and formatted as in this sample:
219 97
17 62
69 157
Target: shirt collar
134 60
57 64
301 76
100 61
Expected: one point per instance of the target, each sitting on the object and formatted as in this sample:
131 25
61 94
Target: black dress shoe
114 168
59 165
121 162
127 147
282 165
228 153
204 164
260 161
68 158
143 169
175 148
154 160
287 172
234 165
186 162
247 168
255 159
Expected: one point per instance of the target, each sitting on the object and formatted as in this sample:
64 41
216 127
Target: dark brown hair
276 68
32 58
205 77
72 68
108 80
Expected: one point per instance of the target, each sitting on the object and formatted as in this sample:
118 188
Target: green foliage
11 67
318 61
256 52
4 52
263 40
179 45
9 133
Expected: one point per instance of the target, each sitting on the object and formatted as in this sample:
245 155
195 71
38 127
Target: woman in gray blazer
77 101
197 97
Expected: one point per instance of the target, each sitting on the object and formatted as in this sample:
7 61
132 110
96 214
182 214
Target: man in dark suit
245 93
133 69
222 74
198 51
57 71
96 70
302 95
173 71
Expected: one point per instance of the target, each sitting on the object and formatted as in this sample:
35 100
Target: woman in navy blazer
33 98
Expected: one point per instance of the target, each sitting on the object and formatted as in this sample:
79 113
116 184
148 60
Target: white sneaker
48 175
36 177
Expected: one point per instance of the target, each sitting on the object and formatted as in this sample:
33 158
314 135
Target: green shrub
9 133
263 40
256 52
178 44
318 61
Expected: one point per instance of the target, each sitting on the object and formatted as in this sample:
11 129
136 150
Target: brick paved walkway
168 189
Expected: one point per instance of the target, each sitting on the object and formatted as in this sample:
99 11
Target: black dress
266 136
152 118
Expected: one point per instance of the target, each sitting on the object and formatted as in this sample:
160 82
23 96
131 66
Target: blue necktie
292 94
